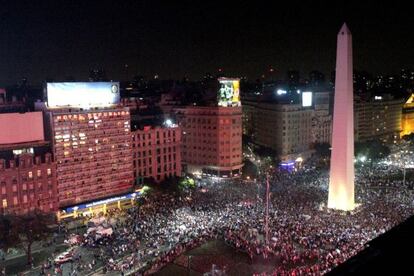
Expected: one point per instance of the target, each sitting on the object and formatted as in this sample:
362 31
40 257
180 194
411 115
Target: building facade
285 128
322 118
212 140
28 183
378 118
27 169
407 120
92 150
156 153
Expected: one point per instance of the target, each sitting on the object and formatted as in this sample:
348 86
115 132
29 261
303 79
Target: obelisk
341 182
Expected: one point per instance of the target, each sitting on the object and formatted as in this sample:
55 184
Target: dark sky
55 39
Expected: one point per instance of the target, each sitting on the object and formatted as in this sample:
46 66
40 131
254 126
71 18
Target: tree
323 149
8 237
29 228
373 150
186 183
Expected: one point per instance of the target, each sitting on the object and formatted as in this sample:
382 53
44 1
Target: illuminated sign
82 94
229 92
306 99
103 201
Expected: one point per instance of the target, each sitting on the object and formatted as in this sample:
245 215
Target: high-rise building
341 182
378 118
289 124
27 169
212 133
407 122
322 118
91 141
156 152
212 140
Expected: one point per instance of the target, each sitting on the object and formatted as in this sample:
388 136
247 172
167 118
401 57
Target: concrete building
286 128
212 139
93 153
287 125
91 141
378 118
156 153
322 118
27 170
407 120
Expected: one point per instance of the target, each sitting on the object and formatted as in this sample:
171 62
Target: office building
91 141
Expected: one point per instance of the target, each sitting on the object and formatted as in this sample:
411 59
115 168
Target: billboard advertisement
21 127
82 94
306 99
229 92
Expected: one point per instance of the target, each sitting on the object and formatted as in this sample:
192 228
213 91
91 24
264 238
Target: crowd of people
304 236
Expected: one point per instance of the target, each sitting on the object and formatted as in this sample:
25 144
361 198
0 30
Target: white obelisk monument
341 182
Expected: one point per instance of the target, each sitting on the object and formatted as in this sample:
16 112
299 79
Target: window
49 171
30 175
39 173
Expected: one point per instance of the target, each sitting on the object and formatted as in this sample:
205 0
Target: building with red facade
91 141
212 140
92 149
156 152
27 170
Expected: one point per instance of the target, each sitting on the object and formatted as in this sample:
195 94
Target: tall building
341 182
322 118
212 140
212 133
286 128
289 124
91 141
27 169
378 118
156 152
407 122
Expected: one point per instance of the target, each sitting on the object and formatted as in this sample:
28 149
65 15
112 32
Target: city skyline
56 41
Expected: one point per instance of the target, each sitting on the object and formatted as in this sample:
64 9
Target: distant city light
168 123
378 97
281 92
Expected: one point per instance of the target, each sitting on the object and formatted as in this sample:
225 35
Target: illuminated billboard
306 99
82 94
229 92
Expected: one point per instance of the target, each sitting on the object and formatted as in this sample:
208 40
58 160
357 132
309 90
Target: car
65 256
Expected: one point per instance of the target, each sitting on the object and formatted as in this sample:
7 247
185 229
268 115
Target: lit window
4 203
30 174
49 171
39 173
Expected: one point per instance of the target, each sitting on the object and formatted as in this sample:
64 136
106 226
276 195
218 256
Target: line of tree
21 231
373 150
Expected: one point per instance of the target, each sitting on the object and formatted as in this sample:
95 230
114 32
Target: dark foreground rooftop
389 254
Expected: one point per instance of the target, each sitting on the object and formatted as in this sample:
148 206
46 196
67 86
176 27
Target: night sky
57 39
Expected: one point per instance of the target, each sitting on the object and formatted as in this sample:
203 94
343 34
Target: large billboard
229 92
82 94
21 127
